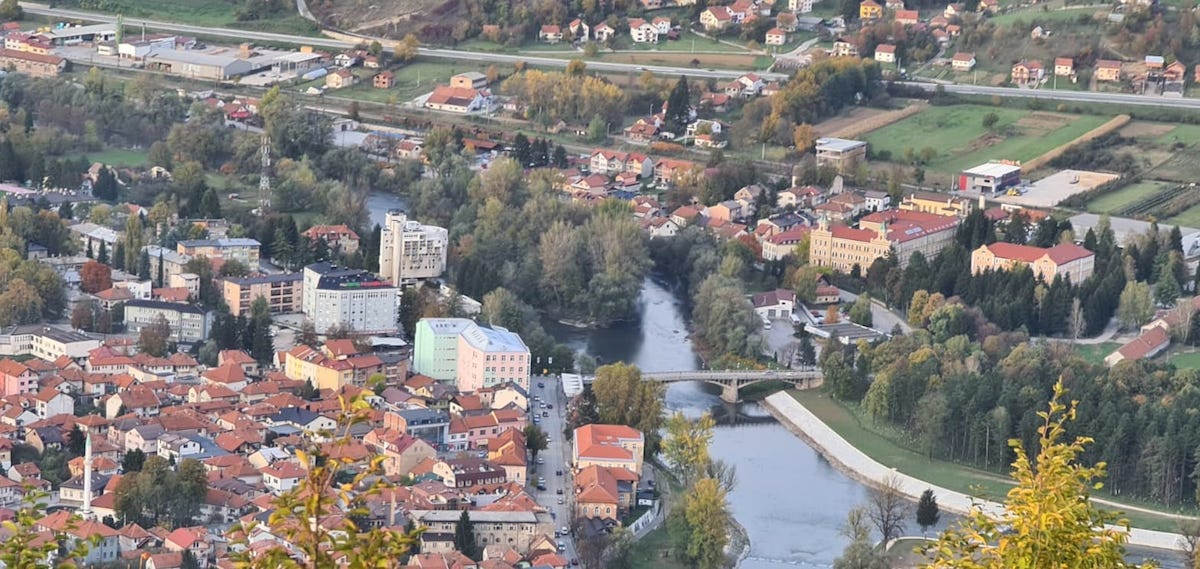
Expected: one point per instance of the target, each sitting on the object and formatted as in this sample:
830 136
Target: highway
1072 96
334 44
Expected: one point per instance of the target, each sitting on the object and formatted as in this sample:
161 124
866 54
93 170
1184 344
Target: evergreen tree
1089 240
806 352
371 255
928 512
161 278
119 256
66 211
464 536
143 265
678 106
522 150
90 253
10 163
560 157
102 256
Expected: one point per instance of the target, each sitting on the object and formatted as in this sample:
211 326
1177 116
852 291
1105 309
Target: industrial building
992 177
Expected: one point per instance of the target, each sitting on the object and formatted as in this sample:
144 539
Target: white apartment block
409 251
351 298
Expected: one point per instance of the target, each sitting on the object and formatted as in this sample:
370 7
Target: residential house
550 34
604 32
641 31
579 30
1108 70
746 86
643 131
51 402
469 80
716 18
138 400
1067 260
962 62
282 476
1025 72
843 47
340 79
870 10
507 451
775 36
457 99
800 6
401 451
908 17
384 79
603 493
885 53
728 210
103 545
1064 66
1175 71
685 215
17 378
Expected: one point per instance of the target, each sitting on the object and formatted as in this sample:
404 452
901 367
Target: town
512 285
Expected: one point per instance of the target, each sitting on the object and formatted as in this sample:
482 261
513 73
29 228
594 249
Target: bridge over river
732 381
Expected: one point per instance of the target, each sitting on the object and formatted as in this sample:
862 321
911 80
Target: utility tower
264 177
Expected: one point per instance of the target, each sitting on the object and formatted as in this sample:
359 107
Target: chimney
244 51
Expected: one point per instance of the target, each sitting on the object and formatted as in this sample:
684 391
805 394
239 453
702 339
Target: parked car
541 384
559 491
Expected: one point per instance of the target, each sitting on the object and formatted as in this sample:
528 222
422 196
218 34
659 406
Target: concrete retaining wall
804 424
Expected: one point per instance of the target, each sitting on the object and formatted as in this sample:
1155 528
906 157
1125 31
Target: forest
968 378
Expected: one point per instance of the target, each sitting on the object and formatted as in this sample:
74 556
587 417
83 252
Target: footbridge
732 381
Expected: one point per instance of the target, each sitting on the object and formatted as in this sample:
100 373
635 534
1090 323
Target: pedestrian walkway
863 468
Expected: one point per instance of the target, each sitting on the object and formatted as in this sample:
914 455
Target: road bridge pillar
729 392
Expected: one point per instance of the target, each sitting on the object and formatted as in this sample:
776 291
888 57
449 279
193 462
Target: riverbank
855 463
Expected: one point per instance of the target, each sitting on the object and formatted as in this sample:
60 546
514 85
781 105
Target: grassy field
119 157
1186 360
1095 353
1189 217
961 141
412 80
648 552
1039 17
882 445
1114 201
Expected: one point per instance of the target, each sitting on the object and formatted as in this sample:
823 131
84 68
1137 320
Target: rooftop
993 169
831 144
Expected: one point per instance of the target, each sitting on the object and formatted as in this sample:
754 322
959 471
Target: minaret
86 511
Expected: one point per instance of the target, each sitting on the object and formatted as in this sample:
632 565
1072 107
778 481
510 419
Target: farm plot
957 136
1115 201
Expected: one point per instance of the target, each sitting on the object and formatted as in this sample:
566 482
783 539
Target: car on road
565 531
537 419
559 491
541 385
541 487
562 546
541 460
545 413
560 500
558 472
549 405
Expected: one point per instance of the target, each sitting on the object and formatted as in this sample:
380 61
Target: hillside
392 18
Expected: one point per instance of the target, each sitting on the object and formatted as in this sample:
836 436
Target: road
882 319
1072 96
499 58
556 457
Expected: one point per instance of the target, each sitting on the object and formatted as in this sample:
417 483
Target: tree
1166 290
535 440
860 311
133 461
154 339
1135 306
622 398
1048 519
576 67
25 545
308 334
76 441
102 255
189 560
335 488
990 120
807 352
685 447
94 277
859 553
804 137
928 513
887 508
406 49
707 514
10 11
678 106
464 536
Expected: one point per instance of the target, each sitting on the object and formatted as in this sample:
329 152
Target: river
789 498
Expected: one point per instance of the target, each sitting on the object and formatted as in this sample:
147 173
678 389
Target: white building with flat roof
840 153
410 251
350 298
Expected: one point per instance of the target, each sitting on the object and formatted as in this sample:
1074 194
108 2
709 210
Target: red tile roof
1149 342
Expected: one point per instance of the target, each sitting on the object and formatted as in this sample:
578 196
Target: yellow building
283 292
870 10
1069 260
329 372
239 249
936 203
906 232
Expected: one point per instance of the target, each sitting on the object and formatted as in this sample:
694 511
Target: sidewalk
801 422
